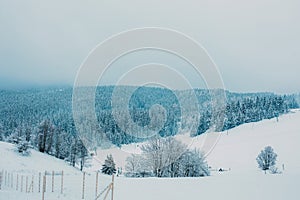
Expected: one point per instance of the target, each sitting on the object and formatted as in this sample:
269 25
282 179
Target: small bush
23 148
275 170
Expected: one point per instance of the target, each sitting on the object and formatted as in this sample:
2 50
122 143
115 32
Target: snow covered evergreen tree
23 147
28 134
45 136
15 137
1 133
82 154
109 166
78 153
267 158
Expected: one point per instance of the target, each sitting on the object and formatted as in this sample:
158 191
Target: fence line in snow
23 182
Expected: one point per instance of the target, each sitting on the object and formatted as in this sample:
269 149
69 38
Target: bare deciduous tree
267 158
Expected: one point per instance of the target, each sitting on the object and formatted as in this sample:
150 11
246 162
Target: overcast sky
255 44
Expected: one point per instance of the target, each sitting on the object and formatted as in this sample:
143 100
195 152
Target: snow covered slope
236 149
36 162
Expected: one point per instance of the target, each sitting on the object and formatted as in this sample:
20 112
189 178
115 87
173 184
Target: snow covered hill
236 150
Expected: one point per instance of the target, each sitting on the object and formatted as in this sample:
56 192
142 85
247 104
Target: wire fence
54 182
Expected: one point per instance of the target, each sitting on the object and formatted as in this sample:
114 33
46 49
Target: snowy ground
236 150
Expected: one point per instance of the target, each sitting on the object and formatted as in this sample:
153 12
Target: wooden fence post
83 184
40 181
1 179
32 179
12 181
52 181
5 178
112 187
45 181
62 182
8 178
44 187
107 191
26 184
22 183
96 192
17 184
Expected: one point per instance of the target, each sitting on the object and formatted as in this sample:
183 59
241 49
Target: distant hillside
43 117
236 150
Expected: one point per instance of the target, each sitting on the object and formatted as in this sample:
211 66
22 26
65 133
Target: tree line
43 117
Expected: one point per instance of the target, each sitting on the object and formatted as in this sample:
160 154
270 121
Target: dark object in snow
109 166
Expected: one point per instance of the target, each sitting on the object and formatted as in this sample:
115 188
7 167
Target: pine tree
15 137
23 147
109 166
28 134
45 136
1 132
82 154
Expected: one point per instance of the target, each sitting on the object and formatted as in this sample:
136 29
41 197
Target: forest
43 117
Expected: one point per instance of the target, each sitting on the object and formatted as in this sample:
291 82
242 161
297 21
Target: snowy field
236 150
